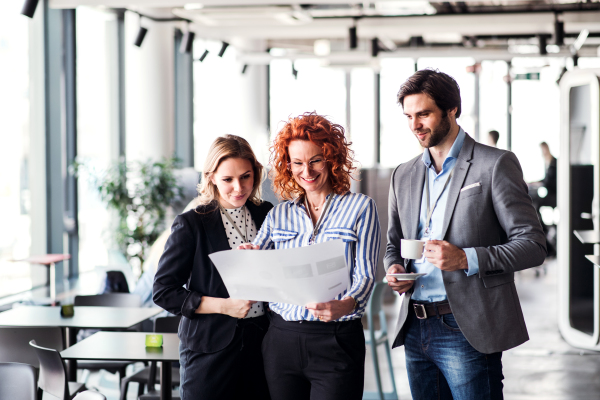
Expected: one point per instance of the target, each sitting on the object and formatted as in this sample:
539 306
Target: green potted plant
140 193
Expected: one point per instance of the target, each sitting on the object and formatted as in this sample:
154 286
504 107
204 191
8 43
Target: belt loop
437 313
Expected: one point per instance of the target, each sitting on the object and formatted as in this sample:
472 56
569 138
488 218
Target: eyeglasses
316 165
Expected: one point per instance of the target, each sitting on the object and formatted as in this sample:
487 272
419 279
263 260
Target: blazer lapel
458 178
214 229
417 180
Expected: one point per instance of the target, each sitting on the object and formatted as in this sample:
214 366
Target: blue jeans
441 363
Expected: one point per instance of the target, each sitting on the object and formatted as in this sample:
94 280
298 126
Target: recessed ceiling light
193 6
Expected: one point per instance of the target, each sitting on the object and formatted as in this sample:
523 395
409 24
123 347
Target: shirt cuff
472 261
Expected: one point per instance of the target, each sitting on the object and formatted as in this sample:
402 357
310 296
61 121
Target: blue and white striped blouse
351 217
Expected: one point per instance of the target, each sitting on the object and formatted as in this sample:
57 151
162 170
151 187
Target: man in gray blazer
480 228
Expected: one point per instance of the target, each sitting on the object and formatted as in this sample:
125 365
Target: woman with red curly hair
318 351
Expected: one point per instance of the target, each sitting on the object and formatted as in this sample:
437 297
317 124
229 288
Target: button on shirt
243 219
431 286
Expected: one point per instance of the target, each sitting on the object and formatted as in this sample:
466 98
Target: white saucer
405 277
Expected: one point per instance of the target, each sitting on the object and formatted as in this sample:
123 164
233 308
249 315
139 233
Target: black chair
115 282
90 395
14 343
107 300
148 376
18 382
53 374
374 338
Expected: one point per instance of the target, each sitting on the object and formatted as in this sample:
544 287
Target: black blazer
194 235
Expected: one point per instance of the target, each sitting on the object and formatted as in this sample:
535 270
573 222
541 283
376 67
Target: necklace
235 225
311 239
316 207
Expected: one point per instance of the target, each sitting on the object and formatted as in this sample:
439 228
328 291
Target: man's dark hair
441 87
495 135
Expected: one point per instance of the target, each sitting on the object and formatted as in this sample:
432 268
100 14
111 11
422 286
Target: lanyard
429 209
234 224
311 240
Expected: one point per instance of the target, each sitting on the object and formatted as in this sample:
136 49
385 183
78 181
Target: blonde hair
223 148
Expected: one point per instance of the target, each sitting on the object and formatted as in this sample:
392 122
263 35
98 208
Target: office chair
107 300
375 338
15 346
53 374
19 381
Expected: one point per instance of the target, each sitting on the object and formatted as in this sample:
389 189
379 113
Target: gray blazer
495 216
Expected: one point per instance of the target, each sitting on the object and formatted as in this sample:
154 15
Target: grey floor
544 368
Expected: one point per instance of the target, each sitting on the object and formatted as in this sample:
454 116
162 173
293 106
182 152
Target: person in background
549 184
318 351
493 137
469 203
220 337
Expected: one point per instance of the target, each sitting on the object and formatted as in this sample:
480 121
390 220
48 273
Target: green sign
154 340
530 76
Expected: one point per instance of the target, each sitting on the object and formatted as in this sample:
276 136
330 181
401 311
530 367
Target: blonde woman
221 337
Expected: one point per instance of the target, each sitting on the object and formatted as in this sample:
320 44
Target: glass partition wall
15 199
94 130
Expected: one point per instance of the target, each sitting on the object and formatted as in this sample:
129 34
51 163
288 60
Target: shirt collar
300 199
454 150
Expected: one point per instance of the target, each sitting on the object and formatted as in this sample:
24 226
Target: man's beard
438 134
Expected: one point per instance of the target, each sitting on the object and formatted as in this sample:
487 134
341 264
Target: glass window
15 201
316 88
456 67
227 101
493 92
362 116
398 143
94 130
535 113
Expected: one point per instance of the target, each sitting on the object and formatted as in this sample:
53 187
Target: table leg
165 381
71 338
52 282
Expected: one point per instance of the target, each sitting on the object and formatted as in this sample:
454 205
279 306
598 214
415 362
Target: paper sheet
297 276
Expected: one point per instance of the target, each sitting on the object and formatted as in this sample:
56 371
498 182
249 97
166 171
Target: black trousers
235 372
314 360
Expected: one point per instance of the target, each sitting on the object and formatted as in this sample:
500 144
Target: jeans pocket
449 322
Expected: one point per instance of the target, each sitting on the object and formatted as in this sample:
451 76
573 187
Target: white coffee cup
411 249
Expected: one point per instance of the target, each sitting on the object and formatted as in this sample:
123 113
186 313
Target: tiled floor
544 368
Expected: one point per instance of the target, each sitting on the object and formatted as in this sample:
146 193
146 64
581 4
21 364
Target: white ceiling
219 3
284 20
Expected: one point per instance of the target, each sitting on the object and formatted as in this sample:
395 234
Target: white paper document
297 276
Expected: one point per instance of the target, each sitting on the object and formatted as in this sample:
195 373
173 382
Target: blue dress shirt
431 286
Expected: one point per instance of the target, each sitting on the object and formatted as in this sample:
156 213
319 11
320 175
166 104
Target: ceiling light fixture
187 42
141 35
29 8
203 56
542 44
559 31
223 48
352 38
375 49
193 6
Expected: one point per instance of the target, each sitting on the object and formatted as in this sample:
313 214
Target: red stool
48 260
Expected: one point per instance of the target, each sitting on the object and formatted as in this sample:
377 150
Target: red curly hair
329 137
